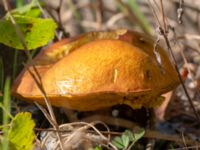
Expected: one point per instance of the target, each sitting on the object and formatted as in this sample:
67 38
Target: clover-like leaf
124 141
117 141
138 134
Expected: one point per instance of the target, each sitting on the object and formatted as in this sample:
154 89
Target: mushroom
98 70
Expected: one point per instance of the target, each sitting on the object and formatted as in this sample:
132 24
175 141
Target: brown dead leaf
161 110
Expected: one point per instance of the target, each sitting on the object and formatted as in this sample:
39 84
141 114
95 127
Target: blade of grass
138 13
72 7
1 87
76 13
1 74
19 3
132 17
6 106
14 65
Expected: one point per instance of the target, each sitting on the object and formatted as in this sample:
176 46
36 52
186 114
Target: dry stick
180 11
130 125
163 16
112 20
188 5
91 125
156 4
193 49
181 80
40 86
164 34
190 147
183 56
85 127
174 60
148 134
183 138
60 24
45 114
99 13
154 12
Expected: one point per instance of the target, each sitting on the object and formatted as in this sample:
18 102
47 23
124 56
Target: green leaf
127 137
130 135
21 134
138 134
118 142
36 32
98 148
125 140
34 12
30 10
25 8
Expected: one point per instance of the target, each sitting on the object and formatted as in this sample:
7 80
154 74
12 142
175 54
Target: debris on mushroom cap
100 69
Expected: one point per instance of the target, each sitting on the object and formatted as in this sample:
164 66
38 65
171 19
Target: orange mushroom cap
100 69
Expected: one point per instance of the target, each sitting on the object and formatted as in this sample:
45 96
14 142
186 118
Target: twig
163 32
180 11
99 14
154 13
148 134
183 55
189 147
45 114
70 131
6 111
179 75
183 138
190 37
163 17
114 19
193 49
188 5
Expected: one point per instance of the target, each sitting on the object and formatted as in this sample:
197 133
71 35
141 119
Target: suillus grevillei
98 70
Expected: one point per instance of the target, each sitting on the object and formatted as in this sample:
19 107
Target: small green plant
96 148
17 134
21 133
128 139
